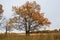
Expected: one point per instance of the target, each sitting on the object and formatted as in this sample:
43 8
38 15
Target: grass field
34 36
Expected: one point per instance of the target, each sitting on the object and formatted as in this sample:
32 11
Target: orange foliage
34 10
1 10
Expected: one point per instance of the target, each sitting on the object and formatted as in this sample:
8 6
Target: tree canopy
1 10
31 13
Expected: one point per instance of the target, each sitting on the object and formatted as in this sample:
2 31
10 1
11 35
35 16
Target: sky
51 8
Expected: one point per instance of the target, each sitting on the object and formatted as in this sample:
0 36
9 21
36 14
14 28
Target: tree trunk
26 27
6 30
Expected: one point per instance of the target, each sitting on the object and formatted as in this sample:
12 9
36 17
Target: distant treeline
46 31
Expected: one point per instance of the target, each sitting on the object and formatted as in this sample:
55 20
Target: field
33 36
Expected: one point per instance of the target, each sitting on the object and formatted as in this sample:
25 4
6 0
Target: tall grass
38 36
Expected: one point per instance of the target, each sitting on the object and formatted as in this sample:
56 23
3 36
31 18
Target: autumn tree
33 18
1 11
2 19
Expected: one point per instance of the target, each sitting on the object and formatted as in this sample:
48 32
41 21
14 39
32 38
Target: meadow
33 36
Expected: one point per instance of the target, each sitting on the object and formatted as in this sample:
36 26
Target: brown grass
33 36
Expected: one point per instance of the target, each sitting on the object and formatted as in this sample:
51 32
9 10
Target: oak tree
33 18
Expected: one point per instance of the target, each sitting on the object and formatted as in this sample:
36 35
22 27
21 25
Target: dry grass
37 36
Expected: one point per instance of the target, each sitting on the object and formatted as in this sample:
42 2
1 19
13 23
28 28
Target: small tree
1 11
9 25
1 16
33 18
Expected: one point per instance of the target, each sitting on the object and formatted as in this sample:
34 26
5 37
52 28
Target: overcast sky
51 8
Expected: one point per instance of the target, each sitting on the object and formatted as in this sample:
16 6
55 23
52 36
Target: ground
33 36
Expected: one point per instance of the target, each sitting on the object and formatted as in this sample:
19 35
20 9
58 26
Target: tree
9 25
33 18
1 10
2 19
